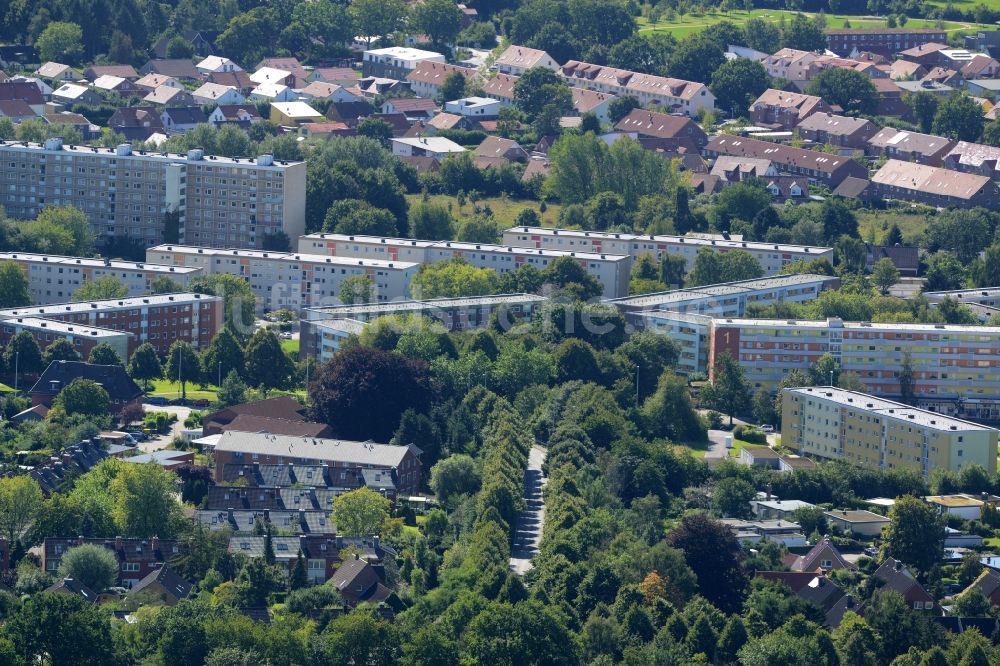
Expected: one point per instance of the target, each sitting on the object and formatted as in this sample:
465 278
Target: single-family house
824 556
429 146
965 506
239 80
136 558
213 64
179 119
988 583
775 508
213 93
928 54
474 107
427 77
517 60
342 76
411 107
981 67
332 92
16 110
24 91
662 126
56 71
503 149
785 110
859 521
395 62
326 130
169 96
151 82
350 112
841 132
135 124
162 587
759 456
287 64
116 84
358 583
894 575
94 72
293 114
203 42
243 115
181 69
19 56
592 101
122 391
71 93
273 92
501 87
272 75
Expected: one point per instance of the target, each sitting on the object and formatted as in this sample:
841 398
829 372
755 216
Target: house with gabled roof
182 118
907 181
243 115
24 91
203 42
58 374
71 93
428 76
213 93
517 60
822 168
74 588
411 107
290 64
273 92
817 589
135 124
824 556
177 68
162 587
344 76
214 63
894 575
169 96
785 110
56 71
116 84
16 110
501 148
151 82
358 583
839 131
329 91
239 80
94 72
988 582
662 126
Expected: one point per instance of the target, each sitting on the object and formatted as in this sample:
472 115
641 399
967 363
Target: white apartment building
772 257
613 270
668 94
395 62
287 280
220 201
53 279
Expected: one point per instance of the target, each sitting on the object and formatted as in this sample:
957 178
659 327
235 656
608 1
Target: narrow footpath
528 532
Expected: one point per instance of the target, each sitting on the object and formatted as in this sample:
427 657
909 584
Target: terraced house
676 95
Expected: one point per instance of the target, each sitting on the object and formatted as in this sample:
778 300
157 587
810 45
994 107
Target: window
130 566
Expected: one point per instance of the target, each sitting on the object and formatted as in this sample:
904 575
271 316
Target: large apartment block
83 338
612 269
159 320
771 256
666 94
832 423
53 279
287 280
956 369
886 41
219 201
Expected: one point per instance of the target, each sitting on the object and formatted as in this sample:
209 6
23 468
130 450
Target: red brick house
121 389
137 558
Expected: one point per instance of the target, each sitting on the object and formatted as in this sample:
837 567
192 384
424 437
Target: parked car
767 428
201 402
179 401
157 400
138 435
286 336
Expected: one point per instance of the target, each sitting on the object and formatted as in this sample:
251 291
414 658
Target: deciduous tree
83 396
92 565
360 513
13 286
145 364
915 534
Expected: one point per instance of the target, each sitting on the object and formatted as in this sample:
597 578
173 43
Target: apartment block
956 369
83 338
54 279
663 93
612 269
243 448
833 423
287 280
217 201
323 330
772 257
159 320
885 41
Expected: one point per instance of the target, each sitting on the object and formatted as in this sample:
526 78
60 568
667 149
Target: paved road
528 534
163 441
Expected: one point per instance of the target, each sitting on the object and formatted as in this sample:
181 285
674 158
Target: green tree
944 272
885 275
20 501
452 278
540 88
74 221
376 128
924 106
480 228
239 303
13 286
179 48
103 288
357 289
144 501
232 392
669 413
847 88
803 34
164 285
695 59
357 217
94 566
440 20
763 35
568 275
22 354
104 354
453 477
145 364
83 396
223 356
989 276
763 408
60 42
527 633
736 83
453 87
267 365
731 497
729 390
915 534
61 629
60 349
959 117
712 552
360 513
182 365
430 220
378 18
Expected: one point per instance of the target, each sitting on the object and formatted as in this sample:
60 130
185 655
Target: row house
909 146
942 188
842 132
785 110
136 558
673 95
820 168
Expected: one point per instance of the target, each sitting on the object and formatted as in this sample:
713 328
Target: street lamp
17 358
831 377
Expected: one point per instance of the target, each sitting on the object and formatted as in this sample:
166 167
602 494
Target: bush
715 421
749 434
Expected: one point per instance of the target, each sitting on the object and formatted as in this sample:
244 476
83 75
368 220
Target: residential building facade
214 201
885 41
834 423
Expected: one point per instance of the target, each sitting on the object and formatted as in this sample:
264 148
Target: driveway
717 444
528 534
163 441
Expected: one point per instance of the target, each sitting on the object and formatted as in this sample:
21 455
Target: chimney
154 543
357 556
119 543
375 542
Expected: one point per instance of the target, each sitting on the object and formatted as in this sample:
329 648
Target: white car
767 428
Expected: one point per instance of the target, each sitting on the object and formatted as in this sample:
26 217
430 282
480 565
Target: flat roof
62 327
890 409
953 500
94 263
312 448
712 290
109 304
858 325
475 247
282 256
413 306
146 154
346 325
988 292
404 53
856 516
685 240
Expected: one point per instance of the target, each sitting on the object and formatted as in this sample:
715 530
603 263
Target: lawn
874 224
504 209
4 388
682 26
290 347
167 389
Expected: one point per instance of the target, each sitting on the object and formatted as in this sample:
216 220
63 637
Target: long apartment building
612 269
772 257
956 369
668 94
324 329
159 320
729 299
290 280
832 423
934 186
83 338
54 279
219 201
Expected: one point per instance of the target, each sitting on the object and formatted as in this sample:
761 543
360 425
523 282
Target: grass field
504 209
682 26
165 388
874 224
290 347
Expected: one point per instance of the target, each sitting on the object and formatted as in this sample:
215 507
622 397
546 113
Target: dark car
156 400
201 402
179 401
138 435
